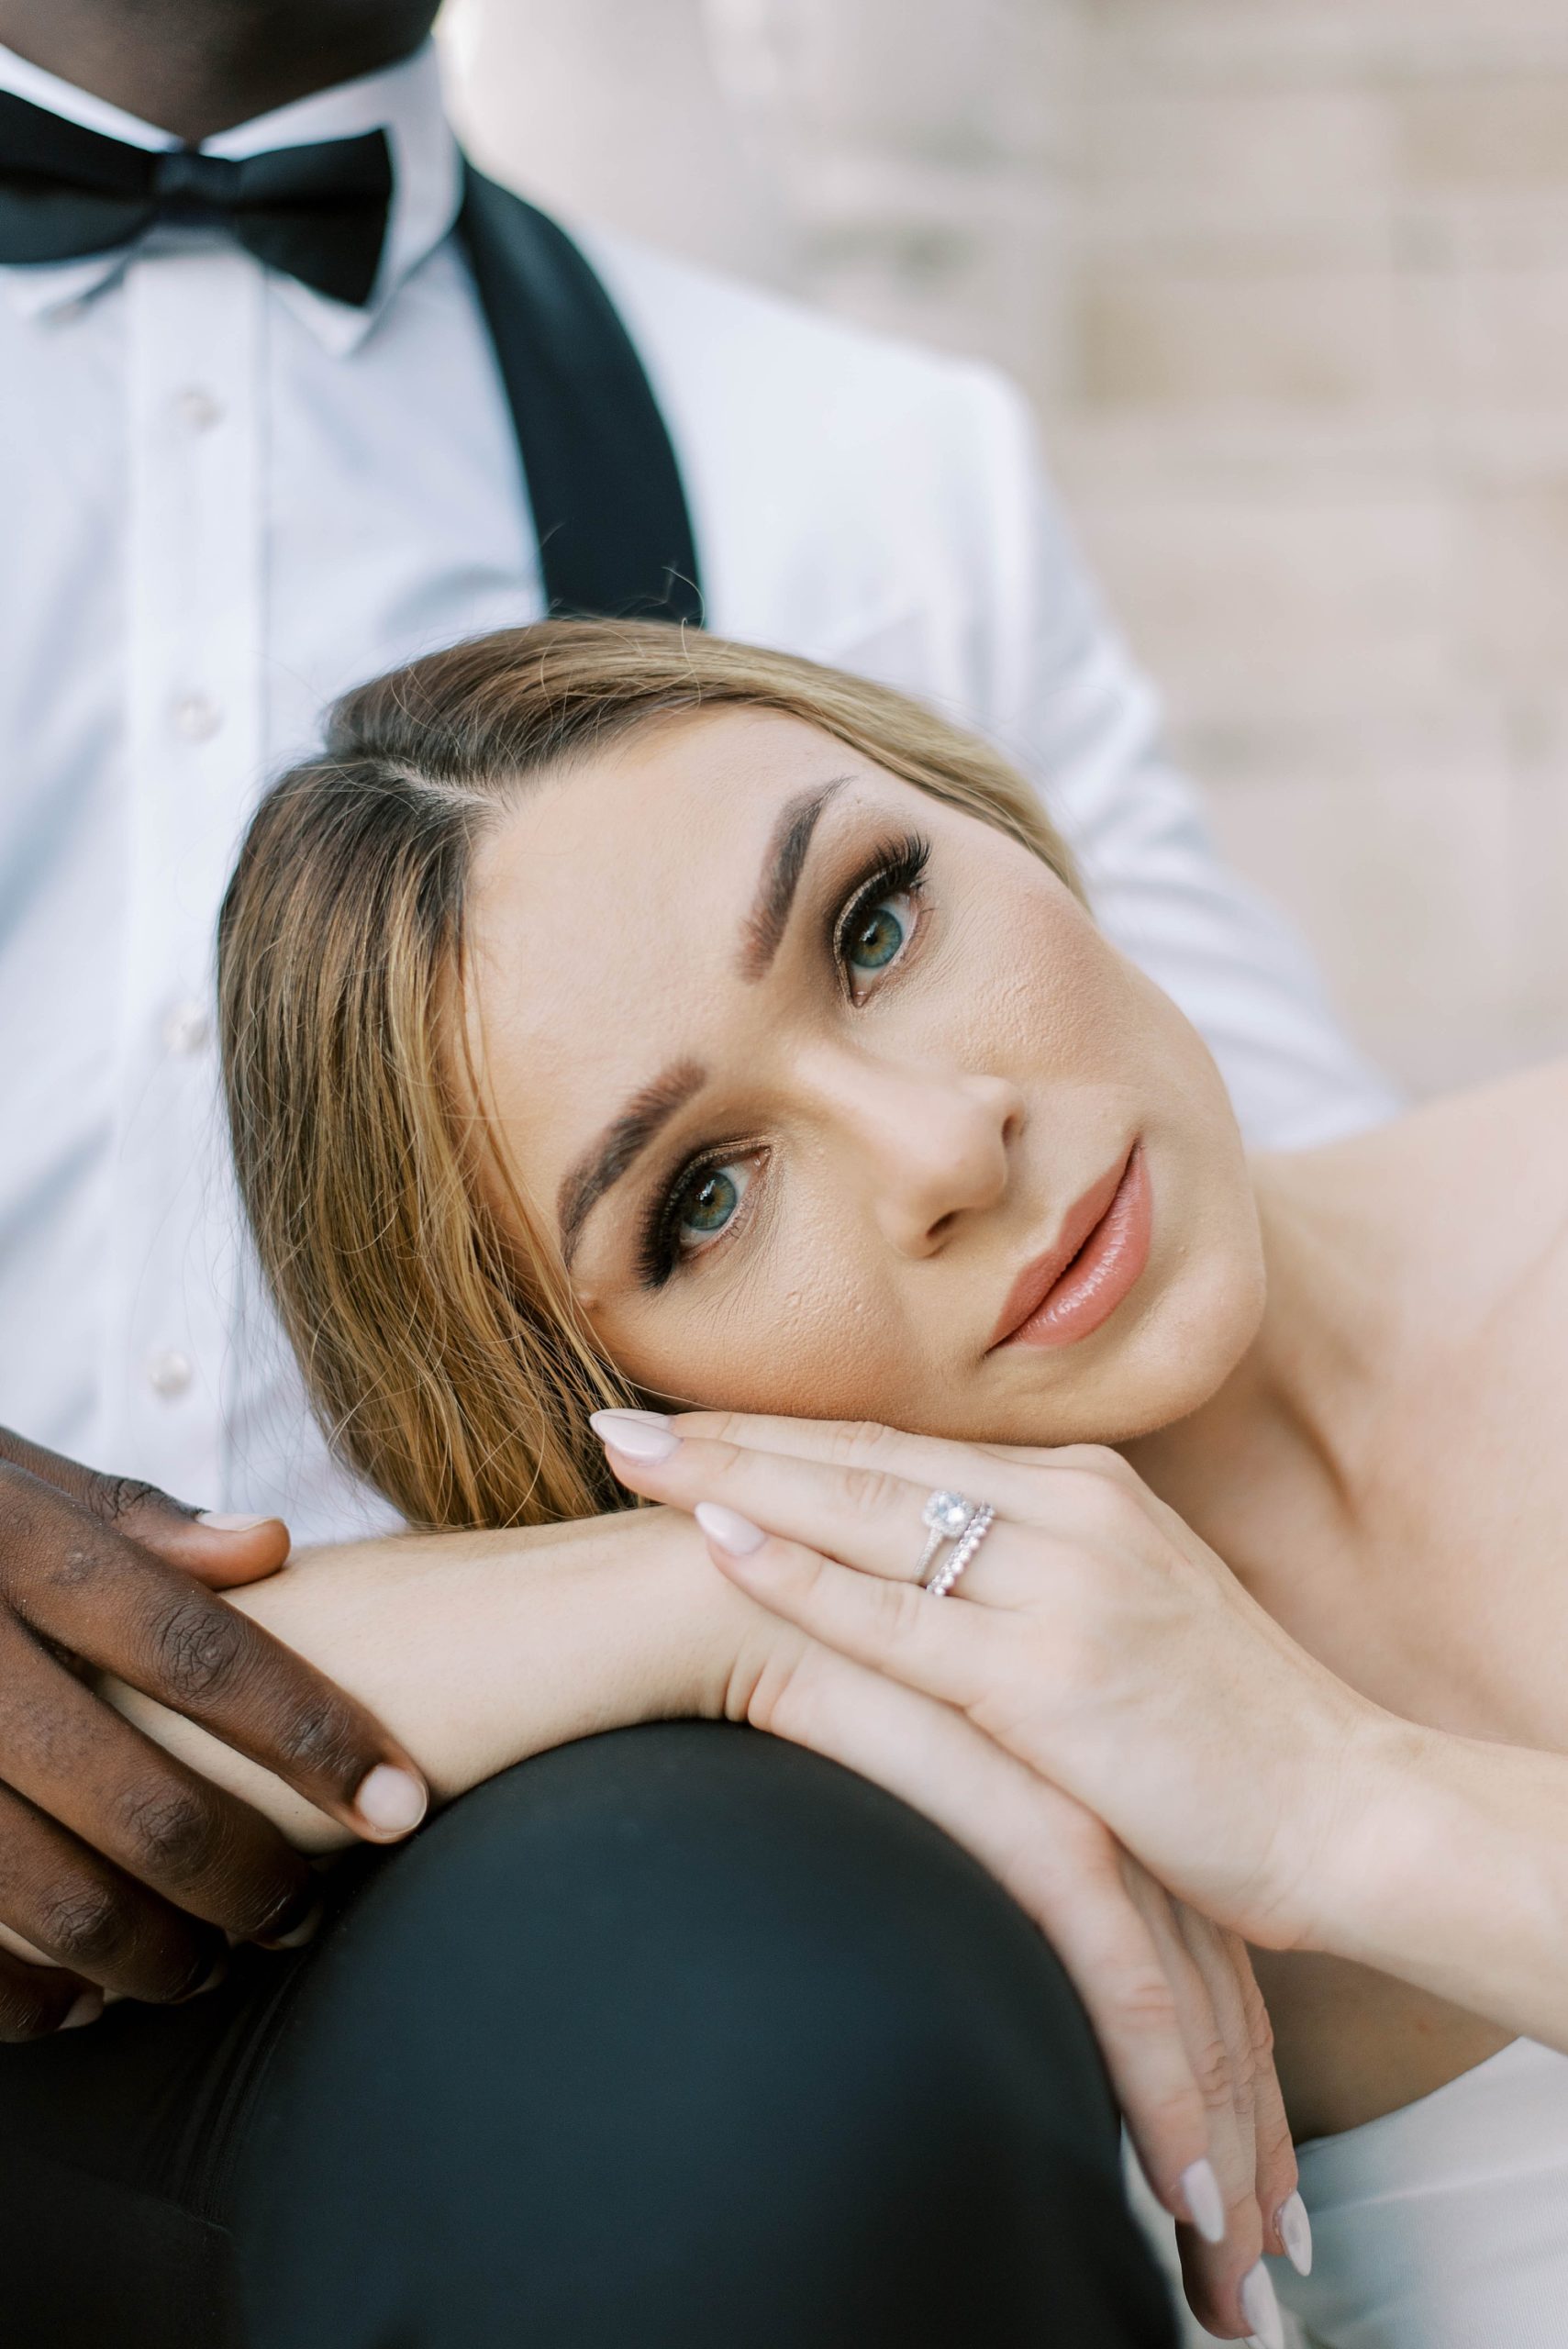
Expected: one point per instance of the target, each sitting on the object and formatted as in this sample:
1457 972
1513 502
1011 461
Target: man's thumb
220 1549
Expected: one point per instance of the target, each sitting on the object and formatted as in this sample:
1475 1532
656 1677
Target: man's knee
683 2017
708 1913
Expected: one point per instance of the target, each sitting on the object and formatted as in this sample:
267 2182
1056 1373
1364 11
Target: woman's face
822 1084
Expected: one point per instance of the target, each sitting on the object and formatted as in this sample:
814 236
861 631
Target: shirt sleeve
1080 718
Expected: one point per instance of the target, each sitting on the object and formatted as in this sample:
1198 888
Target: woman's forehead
606 907
636 837
689 791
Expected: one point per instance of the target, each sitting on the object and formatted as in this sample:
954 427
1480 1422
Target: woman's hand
1095 1638
1171 1998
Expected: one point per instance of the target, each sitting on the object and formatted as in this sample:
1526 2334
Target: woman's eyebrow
783 865
606 1160
628 1136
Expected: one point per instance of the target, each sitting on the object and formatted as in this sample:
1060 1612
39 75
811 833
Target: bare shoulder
1473 1185
1494 1152
1529 1104
1530 1101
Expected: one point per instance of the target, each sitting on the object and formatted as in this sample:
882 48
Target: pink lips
1078 1285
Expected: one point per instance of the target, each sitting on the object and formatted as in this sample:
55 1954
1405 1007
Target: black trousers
672 2039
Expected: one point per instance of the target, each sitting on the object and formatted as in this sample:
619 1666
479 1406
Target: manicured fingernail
219 1520
88 2007
728 1530
1296 2232
1205 2204
637 1435
1260 2309
390 1799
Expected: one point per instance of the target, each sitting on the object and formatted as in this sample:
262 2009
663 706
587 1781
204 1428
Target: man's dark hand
118 1863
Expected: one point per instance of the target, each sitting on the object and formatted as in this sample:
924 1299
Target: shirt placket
193 738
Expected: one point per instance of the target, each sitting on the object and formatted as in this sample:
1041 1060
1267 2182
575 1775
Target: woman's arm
479 1649
1453 1875
1098 1640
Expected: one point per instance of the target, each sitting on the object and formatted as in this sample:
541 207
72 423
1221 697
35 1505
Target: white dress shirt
227 497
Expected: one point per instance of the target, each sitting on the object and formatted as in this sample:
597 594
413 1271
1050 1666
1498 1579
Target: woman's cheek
818 1348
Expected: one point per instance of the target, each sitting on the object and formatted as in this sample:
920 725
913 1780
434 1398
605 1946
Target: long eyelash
896 865
656 1248
900 864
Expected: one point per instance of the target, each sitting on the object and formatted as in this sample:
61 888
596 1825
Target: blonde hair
441 1347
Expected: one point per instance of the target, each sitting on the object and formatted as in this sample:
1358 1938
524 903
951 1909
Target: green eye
708 1202
876 936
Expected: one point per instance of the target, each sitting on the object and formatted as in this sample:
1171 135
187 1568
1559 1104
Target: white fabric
226 498
1444 2226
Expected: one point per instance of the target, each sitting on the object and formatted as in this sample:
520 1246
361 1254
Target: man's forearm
479 1649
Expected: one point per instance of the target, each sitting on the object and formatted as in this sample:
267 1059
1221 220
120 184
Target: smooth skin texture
870 1160
902 1140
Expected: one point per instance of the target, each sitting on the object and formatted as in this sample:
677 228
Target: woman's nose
935 1146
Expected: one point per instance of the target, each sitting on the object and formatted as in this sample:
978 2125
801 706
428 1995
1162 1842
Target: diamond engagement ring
979 1526
947 1516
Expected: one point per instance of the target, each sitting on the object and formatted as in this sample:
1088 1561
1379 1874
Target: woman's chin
1169 1355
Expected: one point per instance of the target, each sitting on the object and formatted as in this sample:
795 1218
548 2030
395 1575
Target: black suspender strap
615 536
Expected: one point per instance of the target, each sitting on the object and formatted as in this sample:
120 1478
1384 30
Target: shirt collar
404 100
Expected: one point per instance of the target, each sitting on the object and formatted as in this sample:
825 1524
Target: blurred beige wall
1289 280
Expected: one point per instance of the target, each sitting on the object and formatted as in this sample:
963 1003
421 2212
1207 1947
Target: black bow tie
318 213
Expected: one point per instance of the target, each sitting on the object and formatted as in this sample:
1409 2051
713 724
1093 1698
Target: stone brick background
1289 281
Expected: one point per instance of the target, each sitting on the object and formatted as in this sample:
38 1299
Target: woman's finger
930 1460
838 1443
1265 2131
893 1627
1058 1862
870 1519
1286 2227
1227 2287
1207 1947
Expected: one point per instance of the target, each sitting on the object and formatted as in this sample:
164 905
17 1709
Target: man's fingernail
1205 2204
1259 2309
88 2008
304 1931
1295 2233
209 1981
390 1799
728 1530
637 1435
219 1520
296 1935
